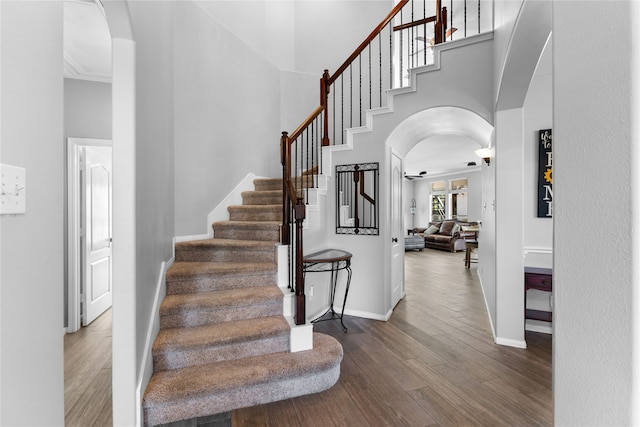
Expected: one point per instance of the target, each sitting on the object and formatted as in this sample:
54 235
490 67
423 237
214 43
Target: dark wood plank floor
433 363
87 375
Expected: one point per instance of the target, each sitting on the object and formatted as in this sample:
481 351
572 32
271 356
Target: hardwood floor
433 363
87 375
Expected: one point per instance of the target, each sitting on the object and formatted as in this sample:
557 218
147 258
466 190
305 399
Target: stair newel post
439 31
445 24
300 214
285 159
324 101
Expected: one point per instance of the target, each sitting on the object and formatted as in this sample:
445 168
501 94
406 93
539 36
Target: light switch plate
13 190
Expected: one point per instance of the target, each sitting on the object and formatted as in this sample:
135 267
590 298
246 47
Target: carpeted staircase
223 341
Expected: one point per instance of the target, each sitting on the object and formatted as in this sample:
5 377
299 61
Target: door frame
74 277
400 265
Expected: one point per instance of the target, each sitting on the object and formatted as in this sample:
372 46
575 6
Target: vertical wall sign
545 179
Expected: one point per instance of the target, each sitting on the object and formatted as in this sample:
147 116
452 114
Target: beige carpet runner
223 341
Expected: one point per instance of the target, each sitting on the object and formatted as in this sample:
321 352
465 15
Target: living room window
458 196
438 201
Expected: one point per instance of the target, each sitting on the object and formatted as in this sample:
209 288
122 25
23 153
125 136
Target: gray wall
227 116
595 113
87 109
31 245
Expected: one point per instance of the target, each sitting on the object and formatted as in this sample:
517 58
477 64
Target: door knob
394 240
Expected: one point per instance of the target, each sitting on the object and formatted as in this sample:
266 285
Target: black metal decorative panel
357 207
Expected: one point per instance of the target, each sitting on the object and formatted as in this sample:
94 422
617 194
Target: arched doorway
431 126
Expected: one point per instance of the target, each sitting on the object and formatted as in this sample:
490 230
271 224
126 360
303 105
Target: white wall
31 245
154 150
595 281
87 109
522 30
537 232
370 292
227 116
327 32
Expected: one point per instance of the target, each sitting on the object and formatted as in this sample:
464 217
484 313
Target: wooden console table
542 280
332 260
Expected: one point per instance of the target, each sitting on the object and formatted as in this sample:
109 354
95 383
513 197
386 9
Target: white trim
220 212
366 314
493 329
283 265
538 251
511 343
146 370
301 336
537 326
73 226
190 238
234 198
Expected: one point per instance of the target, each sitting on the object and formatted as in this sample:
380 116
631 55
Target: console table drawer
541 282
540 279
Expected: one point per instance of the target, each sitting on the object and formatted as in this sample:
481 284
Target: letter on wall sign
545 179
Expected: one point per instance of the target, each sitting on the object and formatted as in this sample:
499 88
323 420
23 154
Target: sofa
446 235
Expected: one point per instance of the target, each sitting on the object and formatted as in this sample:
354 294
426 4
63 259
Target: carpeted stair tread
257 230
262 184
265 197
223 386
219 333
226 250
189 277
225 244
189 270
212 301
255 212
182 347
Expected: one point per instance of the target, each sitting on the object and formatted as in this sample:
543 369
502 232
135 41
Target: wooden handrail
415 23
296 133
366 42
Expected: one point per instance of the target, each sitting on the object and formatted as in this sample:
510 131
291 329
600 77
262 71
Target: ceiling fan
432 41
411 177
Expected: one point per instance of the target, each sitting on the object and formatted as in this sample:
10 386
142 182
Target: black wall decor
356 199
545 179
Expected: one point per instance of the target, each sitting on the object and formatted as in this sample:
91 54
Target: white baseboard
537 326
146 370
220 212
365 314
511 343
486 306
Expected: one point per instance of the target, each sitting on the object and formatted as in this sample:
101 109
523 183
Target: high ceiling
442 154
87 41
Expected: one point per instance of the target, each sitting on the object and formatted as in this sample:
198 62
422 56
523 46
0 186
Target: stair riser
200 317
259 199
225 255
203 356
219 282
215 403
267 184
247 234
301 182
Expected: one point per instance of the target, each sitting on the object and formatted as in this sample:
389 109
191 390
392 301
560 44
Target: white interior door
397 234
96 235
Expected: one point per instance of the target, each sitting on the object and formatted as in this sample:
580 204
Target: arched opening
429 132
